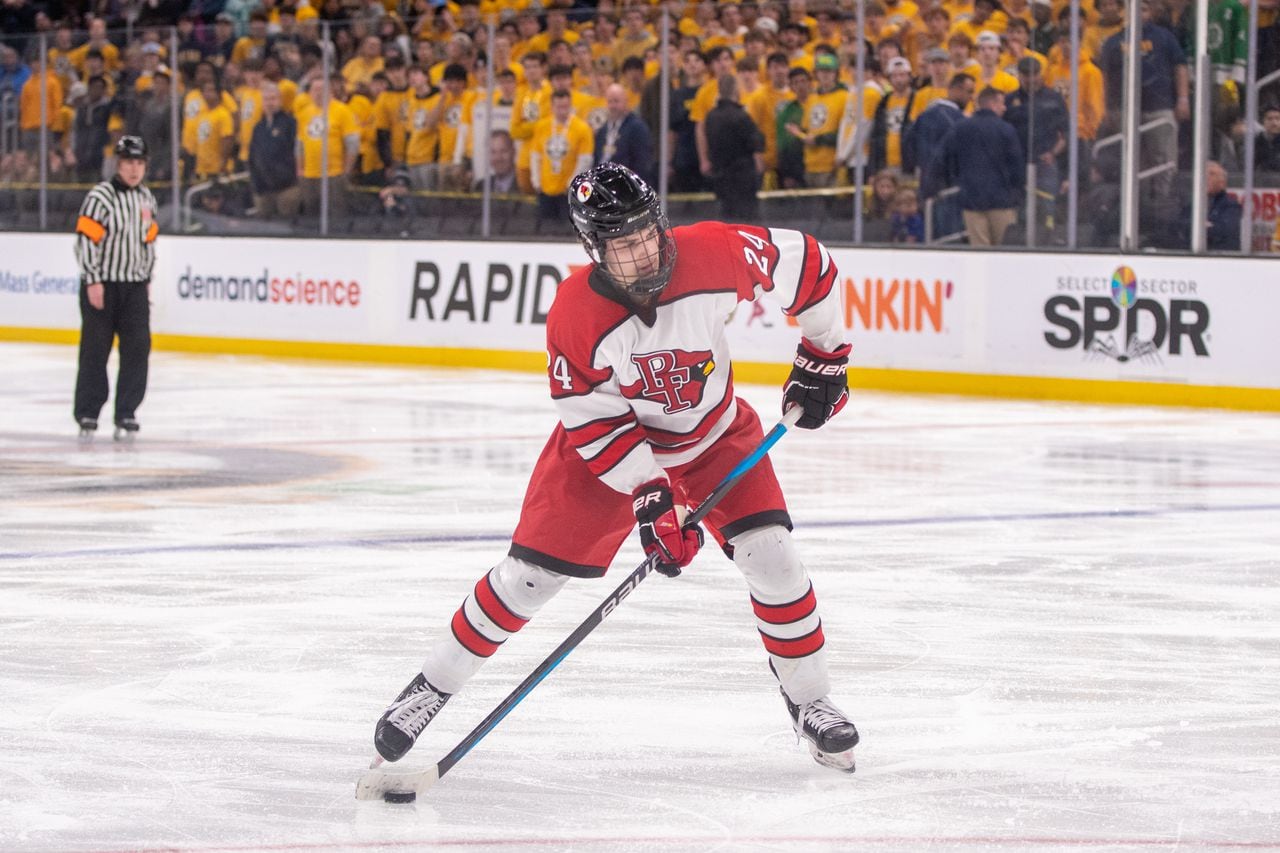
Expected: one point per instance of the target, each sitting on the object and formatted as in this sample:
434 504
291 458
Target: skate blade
124 436
842 761
378 780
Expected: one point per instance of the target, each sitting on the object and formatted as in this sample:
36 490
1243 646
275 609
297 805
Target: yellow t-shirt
247 47
454 113
704 100
29 101
901 16
542 41
1002 80
360 70
592 109
193 104
420 146
250 112
895 114
925 96
763 105
436 75
997 23
62 124
822 116
288 91
624 48
362 109
559 148
531 106
311 129
204 137
391 113
1010 64
803 60
60 62
110 57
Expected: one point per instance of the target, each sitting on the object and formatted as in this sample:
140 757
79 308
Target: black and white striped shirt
116 233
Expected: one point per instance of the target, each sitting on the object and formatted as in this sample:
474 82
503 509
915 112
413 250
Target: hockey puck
400 796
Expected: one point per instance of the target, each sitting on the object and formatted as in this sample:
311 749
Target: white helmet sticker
584 191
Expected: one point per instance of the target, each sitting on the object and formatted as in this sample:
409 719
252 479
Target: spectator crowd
962 102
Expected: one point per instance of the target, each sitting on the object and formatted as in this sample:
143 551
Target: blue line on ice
391 541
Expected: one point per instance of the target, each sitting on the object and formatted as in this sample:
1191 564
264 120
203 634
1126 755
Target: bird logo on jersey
674 378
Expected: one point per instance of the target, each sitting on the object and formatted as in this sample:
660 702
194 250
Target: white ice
1057 627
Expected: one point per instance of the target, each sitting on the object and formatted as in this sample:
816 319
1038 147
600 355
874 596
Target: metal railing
1117 138
929 206
8 123
188 219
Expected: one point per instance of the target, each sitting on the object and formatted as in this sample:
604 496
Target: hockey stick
376 782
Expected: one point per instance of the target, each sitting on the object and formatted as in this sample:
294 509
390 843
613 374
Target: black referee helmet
131 148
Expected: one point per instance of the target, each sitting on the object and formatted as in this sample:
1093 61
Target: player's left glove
661 532
818 384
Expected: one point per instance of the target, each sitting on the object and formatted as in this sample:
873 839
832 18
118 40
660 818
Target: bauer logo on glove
819 384
662 533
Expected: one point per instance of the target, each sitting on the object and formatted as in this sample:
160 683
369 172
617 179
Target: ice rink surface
1057 627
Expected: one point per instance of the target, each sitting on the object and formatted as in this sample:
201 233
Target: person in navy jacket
983 157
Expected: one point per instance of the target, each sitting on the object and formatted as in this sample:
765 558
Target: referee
115 248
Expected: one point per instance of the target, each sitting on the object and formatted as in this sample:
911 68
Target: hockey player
640 373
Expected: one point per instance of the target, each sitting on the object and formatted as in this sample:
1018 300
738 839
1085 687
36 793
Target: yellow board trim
910 381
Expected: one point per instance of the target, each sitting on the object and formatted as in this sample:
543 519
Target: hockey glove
661 533
818 384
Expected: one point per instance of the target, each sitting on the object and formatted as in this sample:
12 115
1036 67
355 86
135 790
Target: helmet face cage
640 267
609 203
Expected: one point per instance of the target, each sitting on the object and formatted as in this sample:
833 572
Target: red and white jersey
639 390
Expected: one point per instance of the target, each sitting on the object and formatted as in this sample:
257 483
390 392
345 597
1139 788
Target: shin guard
501 603
786 610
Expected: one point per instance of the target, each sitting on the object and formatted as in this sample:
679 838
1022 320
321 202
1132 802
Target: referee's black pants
126 312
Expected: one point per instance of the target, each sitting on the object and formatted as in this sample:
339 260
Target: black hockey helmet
131 148
610 201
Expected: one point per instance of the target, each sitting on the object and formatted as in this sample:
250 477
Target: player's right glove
818 384
660 530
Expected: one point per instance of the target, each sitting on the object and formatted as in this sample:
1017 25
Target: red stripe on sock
487 598
471 639
782 614
797 648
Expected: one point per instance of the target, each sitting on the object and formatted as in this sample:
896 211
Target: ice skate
88 426
406 717
830 734
126 429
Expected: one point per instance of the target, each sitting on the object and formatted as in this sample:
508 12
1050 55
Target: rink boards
1111 328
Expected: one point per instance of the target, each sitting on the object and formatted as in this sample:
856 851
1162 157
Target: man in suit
624 138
